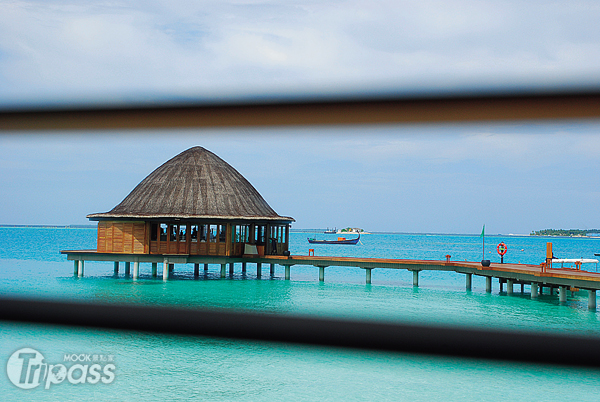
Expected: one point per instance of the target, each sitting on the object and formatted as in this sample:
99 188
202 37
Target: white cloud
215 48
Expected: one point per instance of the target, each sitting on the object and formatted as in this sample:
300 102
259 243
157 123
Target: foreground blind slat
367 335
505 107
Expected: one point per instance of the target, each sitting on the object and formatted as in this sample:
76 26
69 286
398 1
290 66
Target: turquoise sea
157 367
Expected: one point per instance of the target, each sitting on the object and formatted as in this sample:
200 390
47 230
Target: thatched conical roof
194 184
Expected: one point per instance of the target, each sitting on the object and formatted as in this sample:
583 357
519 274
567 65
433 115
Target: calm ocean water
158 367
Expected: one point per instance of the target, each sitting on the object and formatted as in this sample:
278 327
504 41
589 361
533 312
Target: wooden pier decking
537 276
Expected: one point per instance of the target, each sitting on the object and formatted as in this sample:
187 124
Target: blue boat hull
348 241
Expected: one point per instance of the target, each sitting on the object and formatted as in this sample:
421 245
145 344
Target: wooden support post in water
501 284
171 267
488 284
223 270
415 279
116 270
127 268
272 270
468 281
321 274
562 294
243 268
75 267
534 290
165 270
592 299
368 274
258 269
509 286
231 269
205 267
287 272
196 270
80 269
136 270
522 288
154 269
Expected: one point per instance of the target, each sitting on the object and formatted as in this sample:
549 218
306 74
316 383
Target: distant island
566 232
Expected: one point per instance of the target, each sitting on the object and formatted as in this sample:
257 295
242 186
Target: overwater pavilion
196 208
195 205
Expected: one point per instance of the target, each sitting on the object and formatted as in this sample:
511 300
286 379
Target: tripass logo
27 369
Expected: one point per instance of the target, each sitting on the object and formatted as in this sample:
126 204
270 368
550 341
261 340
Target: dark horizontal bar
415 109
526 347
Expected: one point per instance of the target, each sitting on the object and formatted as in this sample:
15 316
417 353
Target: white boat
352 231
575 261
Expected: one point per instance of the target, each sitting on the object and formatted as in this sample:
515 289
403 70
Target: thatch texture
194 184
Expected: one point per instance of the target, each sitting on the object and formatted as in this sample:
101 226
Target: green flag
483 231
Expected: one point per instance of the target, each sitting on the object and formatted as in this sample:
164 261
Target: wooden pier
538 276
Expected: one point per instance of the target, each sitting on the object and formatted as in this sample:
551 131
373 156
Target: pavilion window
203 231
212 232
241 234
245 233
173 233
222 233
163 231
260 233
236 234
194 233
182 233
154 232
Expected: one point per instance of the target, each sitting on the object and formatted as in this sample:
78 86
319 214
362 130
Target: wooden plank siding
122 237
139 238
101 236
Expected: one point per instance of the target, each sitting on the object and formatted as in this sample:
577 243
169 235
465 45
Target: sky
447 178
514 178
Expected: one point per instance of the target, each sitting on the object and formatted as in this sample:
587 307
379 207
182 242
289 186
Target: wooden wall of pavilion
122 237
139 237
